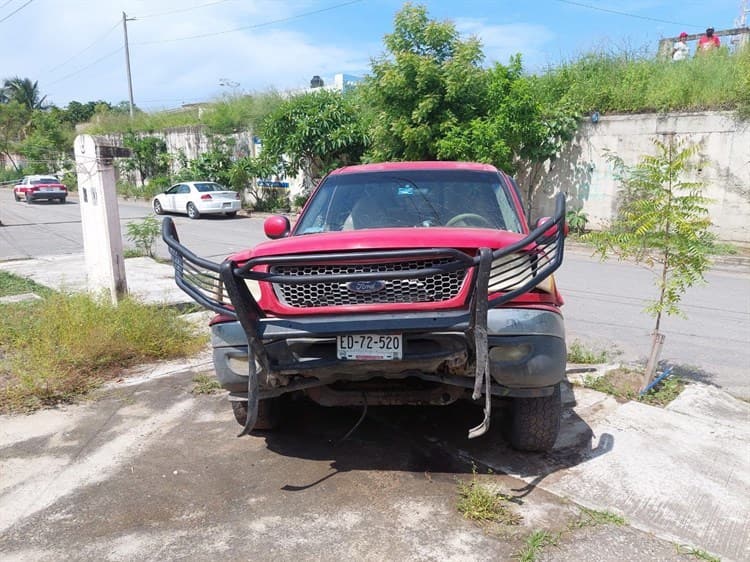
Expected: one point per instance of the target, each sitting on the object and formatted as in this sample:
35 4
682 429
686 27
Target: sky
186 51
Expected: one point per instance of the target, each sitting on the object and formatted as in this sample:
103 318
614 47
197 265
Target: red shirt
706 43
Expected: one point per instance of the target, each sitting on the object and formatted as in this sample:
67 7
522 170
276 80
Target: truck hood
468 239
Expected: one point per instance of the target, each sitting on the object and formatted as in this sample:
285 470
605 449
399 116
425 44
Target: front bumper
526 351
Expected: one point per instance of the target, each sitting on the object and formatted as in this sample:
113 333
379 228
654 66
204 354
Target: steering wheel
469 219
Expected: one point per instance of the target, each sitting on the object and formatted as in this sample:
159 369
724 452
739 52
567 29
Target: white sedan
197 198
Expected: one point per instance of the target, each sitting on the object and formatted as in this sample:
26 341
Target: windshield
408 199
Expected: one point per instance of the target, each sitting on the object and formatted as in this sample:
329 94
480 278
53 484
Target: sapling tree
662 222
143 234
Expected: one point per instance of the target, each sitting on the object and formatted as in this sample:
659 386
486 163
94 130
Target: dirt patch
622 383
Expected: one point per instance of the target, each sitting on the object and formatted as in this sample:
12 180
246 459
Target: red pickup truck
400 283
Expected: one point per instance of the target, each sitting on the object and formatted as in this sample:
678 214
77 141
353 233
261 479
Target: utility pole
125 21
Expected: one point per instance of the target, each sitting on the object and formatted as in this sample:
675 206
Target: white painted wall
584 173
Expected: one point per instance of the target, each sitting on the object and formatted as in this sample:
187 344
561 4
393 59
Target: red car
400 283
34 188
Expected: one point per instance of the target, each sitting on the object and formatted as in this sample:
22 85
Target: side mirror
277 226
551 232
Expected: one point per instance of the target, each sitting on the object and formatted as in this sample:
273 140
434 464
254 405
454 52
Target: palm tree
24 91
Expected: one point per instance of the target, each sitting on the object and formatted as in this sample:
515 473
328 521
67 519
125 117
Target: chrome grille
435 288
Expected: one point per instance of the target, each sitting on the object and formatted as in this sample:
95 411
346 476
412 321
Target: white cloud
174 71
501 41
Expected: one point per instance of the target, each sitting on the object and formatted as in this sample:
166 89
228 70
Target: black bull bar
511 271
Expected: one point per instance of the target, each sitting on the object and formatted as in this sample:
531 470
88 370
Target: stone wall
583 172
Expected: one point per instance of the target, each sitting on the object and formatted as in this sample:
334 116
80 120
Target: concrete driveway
149 471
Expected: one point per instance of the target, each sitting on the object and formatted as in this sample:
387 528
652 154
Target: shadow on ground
689 372
423 439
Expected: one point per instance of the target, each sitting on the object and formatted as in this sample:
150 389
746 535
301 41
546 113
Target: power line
179 10
16 10
66 61
6 3
254 26
97 61
627 14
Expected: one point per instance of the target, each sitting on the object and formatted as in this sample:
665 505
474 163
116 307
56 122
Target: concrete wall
193 141
583 172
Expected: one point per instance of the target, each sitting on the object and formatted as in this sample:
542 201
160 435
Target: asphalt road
604 301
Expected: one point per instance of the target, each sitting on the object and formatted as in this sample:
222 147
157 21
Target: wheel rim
191 211
157 207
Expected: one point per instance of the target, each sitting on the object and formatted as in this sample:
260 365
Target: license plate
226 204
370 347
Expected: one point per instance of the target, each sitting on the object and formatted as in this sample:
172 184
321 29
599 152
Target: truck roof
422 165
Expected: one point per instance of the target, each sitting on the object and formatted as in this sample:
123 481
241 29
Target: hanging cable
627 14
66 61
254 26
16 10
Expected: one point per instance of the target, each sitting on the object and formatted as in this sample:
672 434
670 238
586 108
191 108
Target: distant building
341 83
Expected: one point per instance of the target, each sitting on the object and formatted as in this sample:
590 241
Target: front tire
158 208
192 211
535 422
269 413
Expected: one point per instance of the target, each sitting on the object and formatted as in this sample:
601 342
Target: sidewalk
148 280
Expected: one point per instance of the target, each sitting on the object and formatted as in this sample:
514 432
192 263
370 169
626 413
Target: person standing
708 42
680 50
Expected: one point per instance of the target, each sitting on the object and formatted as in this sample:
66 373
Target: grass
14 285
59 348
221 116
663 393
535 543
594 518
625 384
578 353
636 82
205 384
698 553
479 503
726 249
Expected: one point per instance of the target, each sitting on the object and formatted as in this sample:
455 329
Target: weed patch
535 543
664 392
594 518
578 353
625 384
697 553
481 504
205 384
62 346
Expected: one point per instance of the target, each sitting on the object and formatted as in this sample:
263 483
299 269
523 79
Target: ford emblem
365 287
